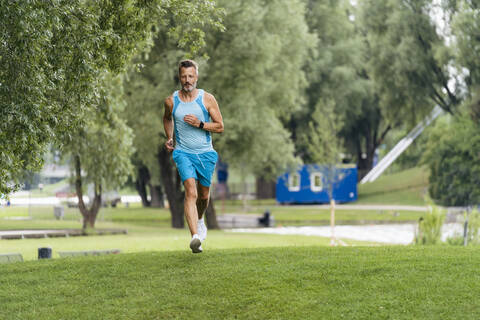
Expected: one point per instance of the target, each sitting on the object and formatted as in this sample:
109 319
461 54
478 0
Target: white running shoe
196 244
202 230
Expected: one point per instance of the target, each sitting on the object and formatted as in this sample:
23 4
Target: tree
337 74
101 150
466 29
410 59
324 146
451 154
453 160
255 72
53 55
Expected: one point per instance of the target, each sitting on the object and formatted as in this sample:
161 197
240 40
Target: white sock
195 236
200 220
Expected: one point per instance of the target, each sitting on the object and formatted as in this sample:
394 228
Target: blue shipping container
309 184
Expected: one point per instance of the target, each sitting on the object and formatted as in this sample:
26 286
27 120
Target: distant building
52 173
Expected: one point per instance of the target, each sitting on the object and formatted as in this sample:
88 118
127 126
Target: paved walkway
388 233
377 207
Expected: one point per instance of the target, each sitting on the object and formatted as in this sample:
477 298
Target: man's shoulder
169 100
206 93
208 97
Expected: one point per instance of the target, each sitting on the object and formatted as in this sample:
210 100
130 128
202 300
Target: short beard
194 85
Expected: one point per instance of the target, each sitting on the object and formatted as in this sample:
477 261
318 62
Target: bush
473 236
454 162
430 226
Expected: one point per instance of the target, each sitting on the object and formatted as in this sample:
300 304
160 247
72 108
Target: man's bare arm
168 123
216 125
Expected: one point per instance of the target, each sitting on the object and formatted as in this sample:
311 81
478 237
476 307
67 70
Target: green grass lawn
134 213
408 187
154 238
261 283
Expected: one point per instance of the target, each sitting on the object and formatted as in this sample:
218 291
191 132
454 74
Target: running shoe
196 244
202 230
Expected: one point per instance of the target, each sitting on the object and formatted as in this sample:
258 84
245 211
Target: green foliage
336 90
275 283
466 29
104 143
473 234
53 57
430 225
408 59
452 157
145 93
339 80
322 142
255 72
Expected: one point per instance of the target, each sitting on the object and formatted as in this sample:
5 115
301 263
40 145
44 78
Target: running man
193 114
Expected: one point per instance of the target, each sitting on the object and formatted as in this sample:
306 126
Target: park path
377 207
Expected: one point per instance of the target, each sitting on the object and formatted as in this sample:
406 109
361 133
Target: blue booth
309 184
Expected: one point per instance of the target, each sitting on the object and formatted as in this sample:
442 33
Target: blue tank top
188 138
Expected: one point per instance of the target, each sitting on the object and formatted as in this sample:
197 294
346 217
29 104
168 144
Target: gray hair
187 64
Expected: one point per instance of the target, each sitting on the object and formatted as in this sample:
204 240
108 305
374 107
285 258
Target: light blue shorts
199 166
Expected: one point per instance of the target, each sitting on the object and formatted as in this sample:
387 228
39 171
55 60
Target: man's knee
190 190
191 195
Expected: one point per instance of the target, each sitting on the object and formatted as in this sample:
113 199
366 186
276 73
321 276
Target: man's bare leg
202 200
202 204
190 207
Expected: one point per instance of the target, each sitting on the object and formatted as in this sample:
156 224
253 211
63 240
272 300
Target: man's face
188 79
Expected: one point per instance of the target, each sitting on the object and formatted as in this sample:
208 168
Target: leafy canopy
54 54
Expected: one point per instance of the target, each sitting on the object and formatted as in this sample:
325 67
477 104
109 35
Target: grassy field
408 187
134 213
148 230
239 276
142 237
260 283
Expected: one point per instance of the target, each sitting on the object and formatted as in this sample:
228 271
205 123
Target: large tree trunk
172 185
365 156
156 196
89 214
211 216
265 188
143 179
365 159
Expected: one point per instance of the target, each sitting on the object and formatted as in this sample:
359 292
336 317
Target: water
385 233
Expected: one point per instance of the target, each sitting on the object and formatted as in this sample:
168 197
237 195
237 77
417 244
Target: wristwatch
201 125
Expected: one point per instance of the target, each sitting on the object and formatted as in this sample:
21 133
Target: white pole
401 146
332 222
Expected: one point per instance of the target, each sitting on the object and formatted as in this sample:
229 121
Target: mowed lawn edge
263 283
